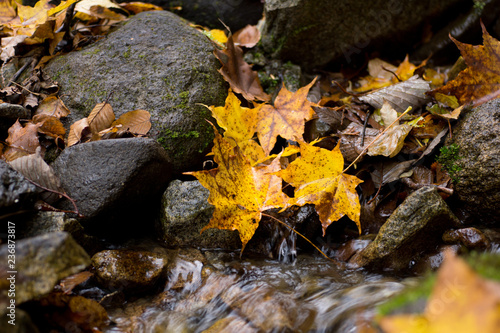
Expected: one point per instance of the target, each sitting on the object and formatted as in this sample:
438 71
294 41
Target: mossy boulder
156 62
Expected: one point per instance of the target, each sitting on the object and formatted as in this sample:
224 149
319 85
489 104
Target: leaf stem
298 233
378 136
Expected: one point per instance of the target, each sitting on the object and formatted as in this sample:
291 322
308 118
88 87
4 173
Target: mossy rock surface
156 62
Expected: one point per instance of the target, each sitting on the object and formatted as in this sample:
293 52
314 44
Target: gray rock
115 180
9 113
413 228
128 271
46 222
313 33
234 13
40 263
478 140
155 62
16 193
185 211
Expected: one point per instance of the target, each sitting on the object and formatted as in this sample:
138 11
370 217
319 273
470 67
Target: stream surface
229 294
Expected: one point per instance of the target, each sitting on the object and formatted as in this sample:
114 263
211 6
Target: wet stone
471 237
129 271
413 228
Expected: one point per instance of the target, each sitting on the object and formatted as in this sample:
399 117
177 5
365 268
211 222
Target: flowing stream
229 294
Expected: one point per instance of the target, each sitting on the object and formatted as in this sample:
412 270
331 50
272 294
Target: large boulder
118 182
478 166
156 62
313 33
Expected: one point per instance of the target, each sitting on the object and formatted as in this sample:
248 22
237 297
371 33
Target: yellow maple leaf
481 77
318 179
239 192
286 118
240 124
461 302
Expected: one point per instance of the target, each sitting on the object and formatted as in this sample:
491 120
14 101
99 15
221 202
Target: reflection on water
229 294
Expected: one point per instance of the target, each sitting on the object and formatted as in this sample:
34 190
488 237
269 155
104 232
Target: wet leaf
461 302
482 75
69 283
318 179
21 141
34 168
239 192
286 118
400 95
238 73
101 117
387 172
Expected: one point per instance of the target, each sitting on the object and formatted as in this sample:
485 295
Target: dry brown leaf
50 126
53 106
249 36
136 122
101 117
238 73
139 7
78 132
34 168
22 141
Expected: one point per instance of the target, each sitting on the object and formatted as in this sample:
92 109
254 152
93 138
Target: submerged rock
414 228
129 271
40 263
117 181
478 166
155 61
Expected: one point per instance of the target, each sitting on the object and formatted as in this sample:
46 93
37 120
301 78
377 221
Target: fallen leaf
239 192
69 283
52 106
139 7
318 179
461 302
34 168
390 143
136 122
78 132
249 36
101 117
21 141
238 73
400 95
482 75
50 126
286 118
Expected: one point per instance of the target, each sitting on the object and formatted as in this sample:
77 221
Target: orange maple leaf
482 75
286 118
239 192
461 302
318 179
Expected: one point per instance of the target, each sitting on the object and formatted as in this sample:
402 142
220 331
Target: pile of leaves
397 116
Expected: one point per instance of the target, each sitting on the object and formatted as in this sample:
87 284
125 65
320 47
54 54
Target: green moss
184 97
92 52
126 54
448 157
